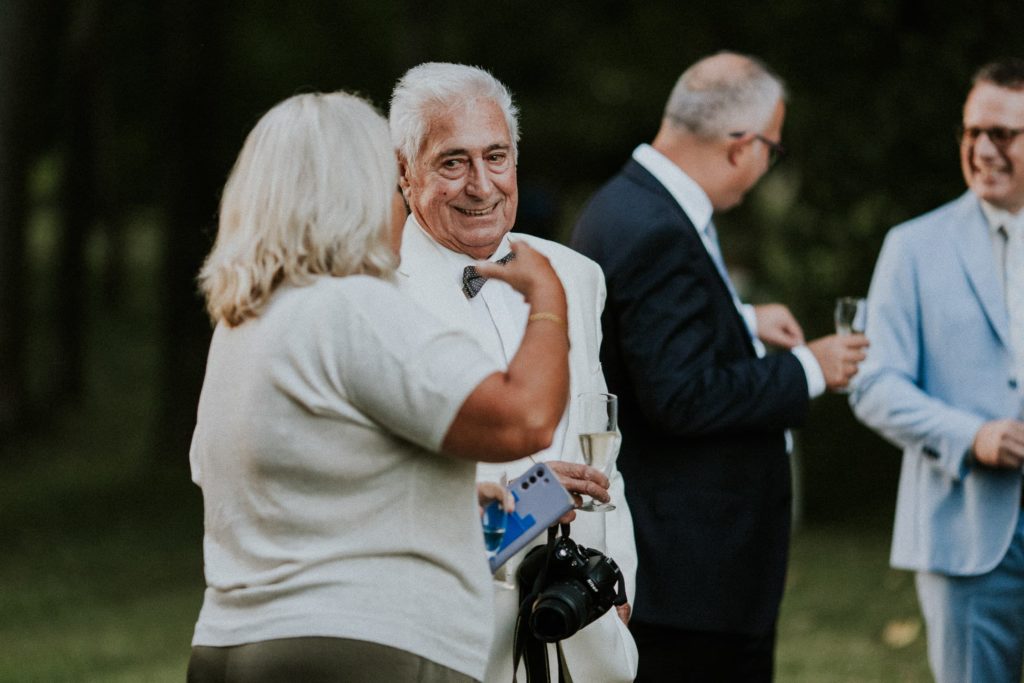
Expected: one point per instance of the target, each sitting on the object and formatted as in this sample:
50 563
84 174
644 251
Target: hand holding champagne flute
599 438
850 315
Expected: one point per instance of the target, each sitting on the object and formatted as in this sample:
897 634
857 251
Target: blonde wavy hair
309 195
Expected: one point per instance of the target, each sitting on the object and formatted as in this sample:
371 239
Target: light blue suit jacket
940 365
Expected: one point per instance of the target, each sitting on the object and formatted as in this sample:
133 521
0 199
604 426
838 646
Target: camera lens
559 612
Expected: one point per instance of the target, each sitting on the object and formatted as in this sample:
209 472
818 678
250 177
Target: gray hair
712 100
310 194
435 87
1006 73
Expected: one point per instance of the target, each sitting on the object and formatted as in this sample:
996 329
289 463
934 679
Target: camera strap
526 646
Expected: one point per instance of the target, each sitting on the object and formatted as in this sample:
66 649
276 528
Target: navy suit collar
640 175
636 173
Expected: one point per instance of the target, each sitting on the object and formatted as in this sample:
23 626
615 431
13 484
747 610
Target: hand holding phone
540 501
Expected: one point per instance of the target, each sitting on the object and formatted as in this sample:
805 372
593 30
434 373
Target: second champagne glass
599 438
851 313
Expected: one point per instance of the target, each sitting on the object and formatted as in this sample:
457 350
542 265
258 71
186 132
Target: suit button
1013 383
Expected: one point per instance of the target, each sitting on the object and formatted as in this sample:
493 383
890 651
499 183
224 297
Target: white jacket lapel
435 287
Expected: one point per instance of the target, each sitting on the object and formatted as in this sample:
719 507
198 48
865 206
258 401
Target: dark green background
119 121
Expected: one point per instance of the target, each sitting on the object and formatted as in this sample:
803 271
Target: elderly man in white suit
455 130
944 380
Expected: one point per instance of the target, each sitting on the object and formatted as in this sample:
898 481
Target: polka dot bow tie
473 281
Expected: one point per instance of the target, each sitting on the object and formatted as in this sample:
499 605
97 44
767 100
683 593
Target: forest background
120 120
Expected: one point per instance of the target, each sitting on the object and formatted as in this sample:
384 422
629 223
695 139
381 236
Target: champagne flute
599 438
851 314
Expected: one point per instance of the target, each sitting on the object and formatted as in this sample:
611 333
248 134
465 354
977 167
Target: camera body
580 585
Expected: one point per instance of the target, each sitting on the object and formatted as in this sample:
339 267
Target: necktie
472 282
715 251
1015 290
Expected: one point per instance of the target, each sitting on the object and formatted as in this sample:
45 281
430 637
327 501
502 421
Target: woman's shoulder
327 298
353 288
373 300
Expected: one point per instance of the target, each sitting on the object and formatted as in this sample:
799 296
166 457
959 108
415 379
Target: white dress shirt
1007 233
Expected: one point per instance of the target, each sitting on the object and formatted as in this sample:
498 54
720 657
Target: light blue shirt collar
1001 217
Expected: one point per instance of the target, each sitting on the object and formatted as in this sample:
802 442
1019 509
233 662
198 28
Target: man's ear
736 148
403 176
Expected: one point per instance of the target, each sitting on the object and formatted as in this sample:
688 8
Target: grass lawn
102 581
101 566
847 617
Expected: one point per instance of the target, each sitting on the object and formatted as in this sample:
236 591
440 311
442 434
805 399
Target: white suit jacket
604 651
940 365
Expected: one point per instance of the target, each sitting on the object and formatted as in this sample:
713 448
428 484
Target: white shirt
327 511
696 204
1006 231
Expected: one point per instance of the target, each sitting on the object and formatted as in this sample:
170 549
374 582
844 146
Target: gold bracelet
546 316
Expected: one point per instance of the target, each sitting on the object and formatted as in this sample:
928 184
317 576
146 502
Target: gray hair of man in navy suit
712 102
1006 73
432 88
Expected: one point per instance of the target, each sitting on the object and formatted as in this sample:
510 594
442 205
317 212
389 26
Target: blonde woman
339 544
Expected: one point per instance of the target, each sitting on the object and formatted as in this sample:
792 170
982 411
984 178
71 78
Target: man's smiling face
994 169
462 187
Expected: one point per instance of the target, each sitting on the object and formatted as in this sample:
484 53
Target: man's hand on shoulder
777 326
1000 443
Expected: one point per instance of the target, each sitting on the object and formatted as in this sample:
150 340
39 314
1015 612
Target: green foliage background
128 115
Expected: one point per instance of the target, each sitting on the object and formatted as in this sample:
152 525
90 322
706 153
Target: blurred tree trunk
24 59
194 172
77 201
13 162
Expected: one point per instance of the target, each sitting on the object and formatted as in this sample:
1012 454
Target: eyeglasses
998 135
776 152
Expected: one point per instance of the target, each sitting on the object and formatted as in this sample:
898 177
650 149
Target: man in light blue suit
944 379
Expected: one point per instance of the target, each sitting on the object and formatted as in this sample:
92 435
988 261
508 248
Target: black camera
573 586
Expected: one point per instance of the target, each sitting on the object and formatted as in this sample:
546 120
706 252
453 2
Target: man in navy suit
702 409
945 381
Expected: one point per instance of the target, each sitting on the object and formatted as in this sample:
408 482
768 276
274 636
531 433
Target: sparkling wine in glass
851 313
599 438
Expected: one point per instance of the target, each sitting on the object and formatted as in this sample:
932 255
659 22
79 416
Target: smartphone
540 501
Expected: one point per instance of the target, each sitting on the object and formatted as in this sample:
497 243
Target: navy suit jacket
703 418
